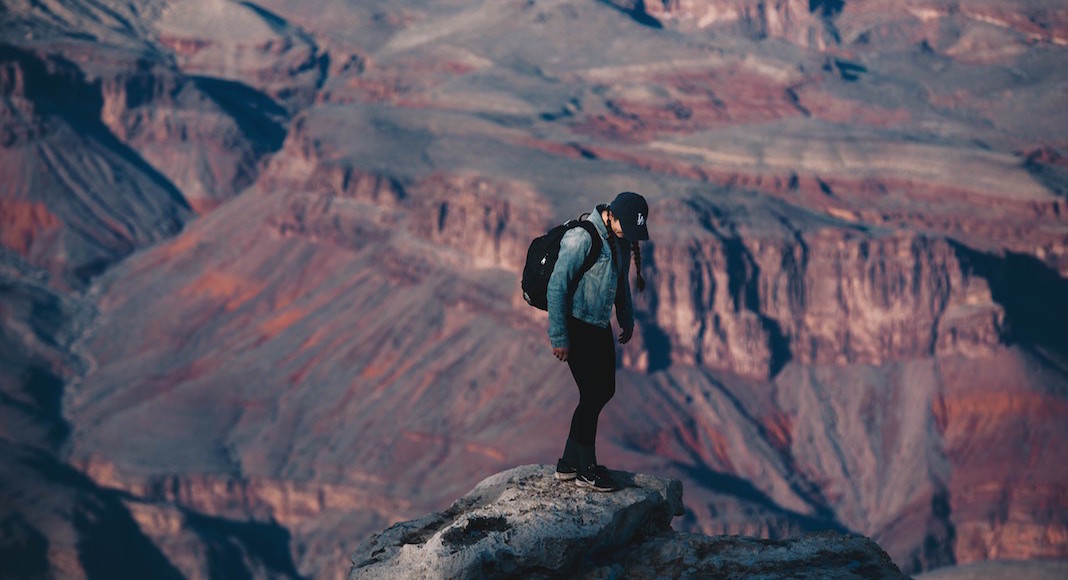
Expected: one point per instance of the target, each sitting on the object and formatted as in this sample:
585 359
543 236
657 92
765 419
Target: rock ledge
524 523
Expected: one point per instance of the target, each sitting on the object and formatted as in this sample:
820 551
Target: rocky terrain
259 266
524 523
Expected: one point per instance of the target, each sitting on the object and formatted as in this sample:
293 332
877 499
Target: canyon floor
259 270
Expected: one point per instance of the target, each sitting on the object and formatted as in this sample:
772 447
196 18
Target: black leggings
592 358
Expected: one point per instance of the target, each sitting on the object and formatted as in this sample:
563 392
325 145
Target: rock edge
524 523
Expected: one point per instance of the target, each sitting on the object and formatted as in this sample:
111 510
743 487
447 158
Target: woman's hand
624 337
560 352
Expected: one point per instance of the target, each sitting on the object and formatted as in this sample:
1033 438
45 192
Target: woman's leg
592 359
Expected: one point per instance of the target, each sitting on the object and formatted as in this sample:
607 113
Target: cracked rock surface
524 523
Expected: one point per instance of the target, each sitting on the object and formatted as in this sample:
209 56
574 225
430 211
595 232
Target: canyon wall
260 261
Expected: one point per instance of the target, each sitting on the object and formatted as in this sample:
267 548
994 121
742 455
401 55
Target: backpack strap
595 250
595 245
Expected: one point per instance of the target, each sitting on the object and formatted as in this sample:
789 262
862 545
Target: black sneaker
597 478
565 471
602 470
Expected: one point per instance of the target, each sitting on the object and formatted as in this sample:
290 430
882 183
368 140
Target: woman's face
617 227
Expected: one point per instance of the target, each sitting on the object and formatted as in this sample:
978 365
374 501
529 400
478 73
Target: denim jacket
597 291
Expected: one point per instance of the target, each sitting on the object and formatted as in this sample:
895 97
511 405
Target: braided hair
635 251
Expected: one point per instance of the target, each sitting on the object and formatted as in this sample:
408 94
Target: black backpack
541 259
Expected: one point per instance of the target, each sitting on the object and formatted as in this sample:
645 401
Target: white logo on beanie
641 219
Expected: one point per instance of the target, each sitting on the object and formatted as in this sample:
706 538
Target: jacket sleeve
574 247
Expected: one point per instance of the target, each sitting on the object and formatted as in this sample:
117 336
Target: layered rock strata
857 268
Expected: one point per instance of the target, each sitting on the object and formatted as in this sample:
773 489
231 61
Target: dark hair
637 253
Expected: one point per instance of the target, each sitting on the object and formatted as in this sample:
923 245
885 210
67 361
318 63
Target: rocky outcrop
481 221
799 21
823 24
59 158
243 43
204 121
748 296
524 523
206 135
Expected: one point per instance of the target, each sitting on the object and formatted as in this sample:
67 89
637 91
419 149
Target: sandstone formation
524 523
58 158
259 260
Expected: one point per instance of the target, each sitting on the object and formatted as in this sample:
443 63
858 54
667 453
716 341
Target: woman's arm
574 247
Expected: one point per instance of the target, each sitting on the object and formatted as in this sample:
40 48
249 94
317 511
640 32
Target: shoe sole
586 484
562 476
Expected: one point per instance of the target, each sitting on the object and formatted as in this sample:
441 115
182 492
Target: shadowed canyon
259 270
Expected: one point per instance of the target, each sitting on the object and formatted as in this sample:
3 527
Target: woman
579 324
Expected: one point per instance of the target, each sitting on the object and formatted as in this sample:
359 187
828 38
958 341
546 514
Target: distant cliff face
59 157
206 135
282 242
751 301
823 24
799 21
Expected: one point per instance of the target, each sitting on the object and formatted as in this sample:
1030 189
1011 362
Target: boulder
524 523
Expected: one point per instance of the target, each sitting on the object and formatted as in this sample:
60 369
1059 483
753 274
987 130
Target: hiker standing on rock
580 328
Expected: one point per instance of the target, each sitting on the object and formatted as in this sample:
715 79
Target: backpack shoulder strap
595 244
